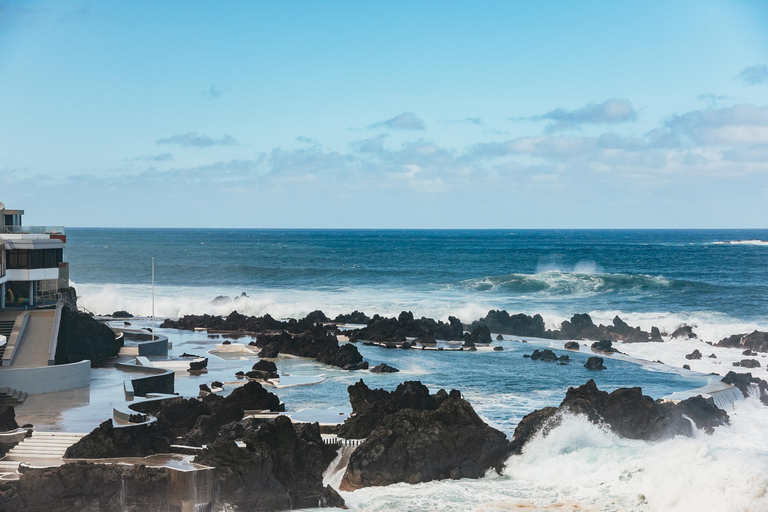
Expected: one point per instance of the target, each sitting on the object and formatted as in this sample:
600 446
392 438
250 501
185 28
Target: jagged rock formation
579 327
626 411
381 329
263 370
7 418
684 331
317 344
280 468
81 337
238 322
756 341
412 436
356 317
748 384
384 368
186 421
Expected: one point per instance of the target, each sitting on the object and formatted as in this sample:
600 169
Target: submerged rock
626 411
413 437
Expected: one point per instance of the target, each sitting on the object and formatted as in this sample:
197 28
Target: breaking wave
580 466
558 282
742 242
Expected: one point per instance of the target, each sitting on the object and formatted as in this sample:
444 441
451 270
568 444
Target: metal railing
33 230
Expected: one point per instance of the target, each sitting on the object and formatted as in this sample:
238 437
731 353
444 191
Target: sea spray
580 464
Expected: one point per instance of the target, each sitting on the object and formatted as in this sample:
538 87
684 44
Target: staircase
42 449
6 326
10 396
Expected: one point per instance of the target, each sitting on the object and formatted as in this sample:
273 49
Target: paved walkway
33 348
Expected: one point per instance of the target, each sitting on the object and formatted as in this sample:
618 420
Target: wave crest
558 282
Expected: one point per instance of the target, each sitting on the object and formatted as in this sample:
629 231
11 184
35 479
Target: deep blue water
437 271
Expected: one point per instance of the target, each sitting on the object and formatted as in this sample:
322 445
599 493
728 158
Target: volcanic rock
684 331
694 355
412 436
748 363
747 384
626 411
604 346
384 368
480 334
108 441
543 355
571 345
280 468
356 317
594 363
381 329
7 418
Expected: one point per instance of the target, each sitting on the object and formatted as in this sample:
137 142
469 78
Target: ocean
648 277
715 280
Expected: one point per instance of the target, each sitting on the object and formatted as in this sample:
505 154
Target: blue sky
385 114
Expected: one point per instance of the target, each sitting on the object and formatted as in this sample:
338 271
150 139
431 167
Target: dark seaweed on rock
382 329
627 412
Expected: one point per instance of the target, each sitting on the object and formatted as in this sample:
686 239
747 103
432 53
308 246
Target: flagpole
153 298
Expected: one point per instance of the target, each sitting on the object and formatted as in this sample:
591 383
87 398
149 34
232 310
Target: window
35 258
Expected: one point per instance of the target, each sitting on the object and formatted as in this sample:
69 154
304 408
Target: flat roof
12 212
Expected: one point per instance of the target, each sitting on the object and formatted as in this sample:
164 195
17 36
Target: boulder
81 337
384 368
594 363
518 325
7 418
121 314
440 437
712 356
198 366
748 363
499 337
605 346
571 345
543 355
267 368
480 334
694 355
270 351
686 367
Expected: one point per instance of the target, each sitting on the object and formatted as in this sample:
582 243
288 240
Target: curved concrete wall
46 379
157 380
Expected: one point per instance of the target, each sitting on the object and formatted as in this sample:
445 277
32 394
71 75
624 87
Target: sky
462 114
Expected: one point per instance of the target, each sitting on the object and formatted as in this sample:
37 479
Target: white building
32 266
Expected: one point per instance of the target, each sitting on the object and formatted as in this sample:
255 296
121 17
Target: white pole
153 299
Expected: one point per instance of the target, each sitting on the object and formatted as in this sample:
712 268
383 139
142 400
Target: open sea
715 280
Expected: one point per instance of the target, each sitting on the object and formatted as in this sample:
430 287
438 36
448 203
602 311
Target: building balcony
33 230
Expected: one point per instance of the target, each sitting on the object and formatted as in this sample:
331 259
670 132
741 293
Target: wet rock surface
748 384
83 486
280 468
626 411
384 368
756 341
317 344
413 437
594 363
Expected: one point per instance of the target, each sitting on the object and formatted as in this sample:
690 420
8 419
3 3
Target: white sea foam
580 466
741 242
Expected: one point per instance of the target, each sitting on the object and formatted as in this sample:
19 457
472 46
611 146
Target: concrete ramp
33 347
